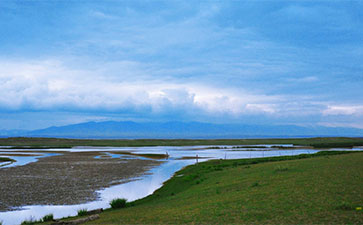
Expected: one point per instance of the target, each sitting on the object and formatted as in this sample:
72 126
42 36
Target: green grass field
311 190
67 143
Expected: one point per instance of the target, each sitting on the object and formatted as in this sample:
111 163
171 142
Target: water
23 160
144 185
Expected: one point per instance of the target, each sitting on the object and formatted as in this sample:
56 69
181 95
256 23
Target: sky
246 62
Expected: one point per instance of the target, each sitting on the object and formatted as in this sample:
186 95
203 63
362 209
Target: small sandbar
145 155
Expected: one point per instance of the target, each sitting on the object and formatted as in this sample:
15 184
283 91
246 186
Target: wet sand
70 178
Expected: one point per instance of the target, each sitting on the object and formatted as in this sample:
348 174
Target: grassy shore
281 190
68 143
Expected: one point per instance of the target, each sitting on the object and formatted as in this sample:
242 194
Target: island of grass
322 188
5 159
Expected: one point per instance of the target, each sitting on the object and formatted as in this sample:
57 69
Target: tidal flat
67 178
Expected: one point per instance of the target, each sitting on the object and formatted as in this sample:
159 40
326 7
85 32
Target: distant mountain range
134 130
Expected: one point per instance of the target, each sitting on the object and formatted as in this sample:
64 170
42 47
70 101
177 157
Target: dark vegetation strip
151 156
15 154
4 159
192 157
40 143
38 147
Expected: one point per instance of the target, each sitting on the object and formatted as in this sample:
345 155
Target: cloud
356 110
51 85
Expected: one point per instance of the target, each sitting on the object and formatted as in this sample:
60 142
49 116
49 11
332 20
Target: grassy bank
67 143
324 188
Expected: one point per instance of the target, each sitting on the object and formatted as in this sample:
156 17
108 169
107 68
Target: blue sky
254 62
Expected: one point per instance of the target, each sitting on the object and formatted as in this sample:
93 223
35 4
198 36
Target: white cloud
49 84
344 110
127 87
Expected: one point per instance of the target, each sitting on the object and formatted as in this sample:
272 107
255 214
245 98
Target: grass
48 218
32 220
280 168
118 203
323 188
31 143
82 212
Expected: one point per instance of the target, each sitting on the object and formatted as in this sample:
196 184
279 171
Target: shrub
48 218
82 212
118 203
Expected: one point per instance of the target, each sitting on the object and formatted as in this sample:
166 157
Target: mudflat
68 178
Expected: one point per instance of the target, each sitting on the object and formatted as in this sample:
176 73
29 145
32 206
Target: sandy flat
70 178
